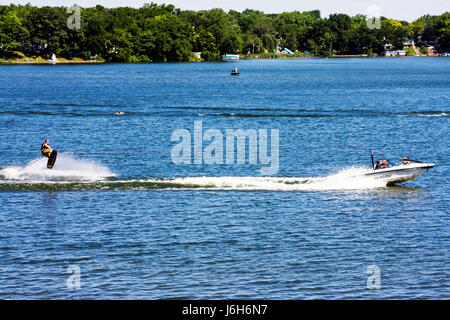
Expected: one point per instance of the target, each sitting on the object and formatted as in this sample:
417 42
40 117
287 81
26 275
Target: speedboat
230 57
400 173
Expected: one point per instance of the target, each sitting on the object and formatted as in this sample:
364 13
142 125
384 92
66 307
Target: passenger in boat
405 161
384 164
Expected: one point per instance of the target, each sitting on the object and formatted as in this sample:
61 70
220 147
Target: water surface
140 227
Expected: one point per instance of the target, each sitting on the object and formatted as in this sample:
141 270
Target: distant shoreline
244 58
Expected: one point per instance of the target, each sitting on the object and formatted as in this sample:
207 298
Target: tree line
159 33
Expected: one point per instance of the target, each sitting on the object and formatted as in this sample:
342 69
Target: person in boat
405 161
382 164
46 150
378 166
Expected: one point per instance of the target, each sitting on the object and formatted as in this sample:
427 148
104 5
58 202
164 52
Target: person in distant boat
378 166
46 150
405 161
384 164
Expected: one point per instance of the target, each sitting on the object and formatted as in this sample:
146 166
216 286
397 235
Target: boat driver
378 166
405 161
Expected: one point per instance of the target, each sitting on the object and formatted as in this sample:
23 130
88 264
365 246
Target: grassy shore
20 58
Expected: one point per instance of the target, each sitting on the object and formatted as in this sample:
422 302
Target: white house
394 53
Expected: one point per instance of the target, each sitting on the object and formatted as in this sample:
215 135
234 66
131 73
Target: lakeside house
409 43
390 52
394 53
197 55
32 48
432 52
431 42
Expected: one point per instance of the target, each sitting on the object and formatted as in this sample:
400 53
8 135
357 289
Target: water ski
52 159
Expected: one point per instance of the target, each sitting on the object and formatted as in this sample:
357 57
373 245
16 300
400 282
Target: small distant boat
230 57
235 72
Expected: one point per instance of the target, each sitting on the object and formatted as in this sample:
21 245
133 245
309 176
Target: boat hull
401 173
230 57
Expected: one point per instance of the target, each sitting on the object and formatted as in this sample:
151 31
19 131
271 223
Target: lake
132 210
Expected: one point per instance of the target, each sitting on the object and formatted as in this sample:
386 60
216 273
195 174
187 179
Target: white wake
346 179
69 169
66 168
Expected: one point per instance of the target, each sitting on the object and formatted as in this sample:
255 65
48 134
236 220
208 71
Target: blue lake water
139 226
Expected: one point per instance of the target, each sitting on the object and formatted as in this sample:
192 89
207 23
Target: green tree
222 26
205 42
164 33
119 46
12 33
340 26
48 26
169 37
394 32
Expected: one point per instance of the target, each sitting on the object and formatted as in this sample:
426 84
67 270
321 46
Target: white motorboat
390 173
400 173
230 57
